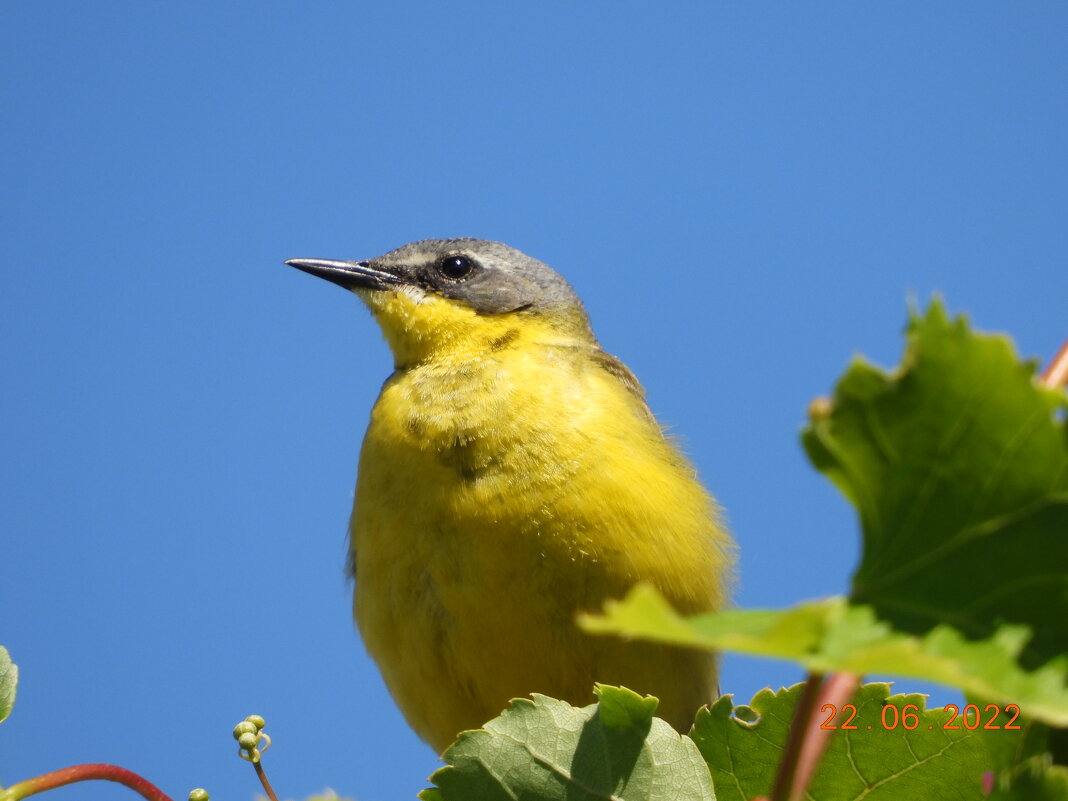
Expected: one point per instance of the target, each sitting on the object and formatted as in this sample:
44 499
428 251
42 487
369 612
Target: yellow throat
511 477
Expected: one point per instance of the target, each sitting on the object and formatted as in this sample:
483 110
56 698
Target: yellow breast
500 493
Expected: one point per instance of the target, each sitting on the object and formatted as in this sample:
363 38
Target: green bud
248 741
244 727
199 794
257 721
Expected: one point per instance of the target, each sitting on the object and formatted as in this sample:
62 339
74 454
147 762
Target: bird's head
459 297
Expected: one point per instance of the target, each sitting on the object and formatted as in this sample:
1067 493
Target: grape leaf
880 760
834 635
958 467
9 679
546 749
1033 780
1007 753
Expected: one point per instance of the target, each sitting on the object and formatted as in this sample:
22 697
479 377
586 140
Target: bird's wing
610 364
614 366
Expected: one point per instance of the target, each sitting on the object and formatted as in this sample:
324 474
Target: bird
511 477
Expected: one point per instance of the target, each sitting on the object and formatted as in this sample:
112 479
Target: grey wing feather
615 367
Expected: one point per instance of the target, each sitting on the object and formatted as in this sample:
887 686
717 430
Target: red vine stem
1056 374
836 691
806 706
807 741
81 773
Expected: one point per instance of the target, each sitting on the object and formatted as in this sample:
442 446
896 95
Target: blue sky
745 195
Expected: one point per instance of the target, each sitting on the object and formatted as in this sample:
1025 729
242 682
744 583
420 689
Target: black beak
349 274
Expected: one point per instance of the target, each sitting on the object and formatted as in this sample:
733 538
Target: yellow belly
496 500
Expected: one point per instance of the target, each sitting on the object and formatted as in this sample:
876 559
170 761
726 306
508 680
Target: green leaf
1034 780
1007 753
958 467
9 679
833 635
547 749
880 760
1021 764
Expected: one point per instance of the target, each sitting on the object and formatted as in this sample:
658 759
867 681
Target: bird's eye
456 267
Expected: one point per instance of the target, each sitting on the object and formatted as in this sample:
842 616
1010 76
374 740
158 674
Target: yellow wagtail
511 477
